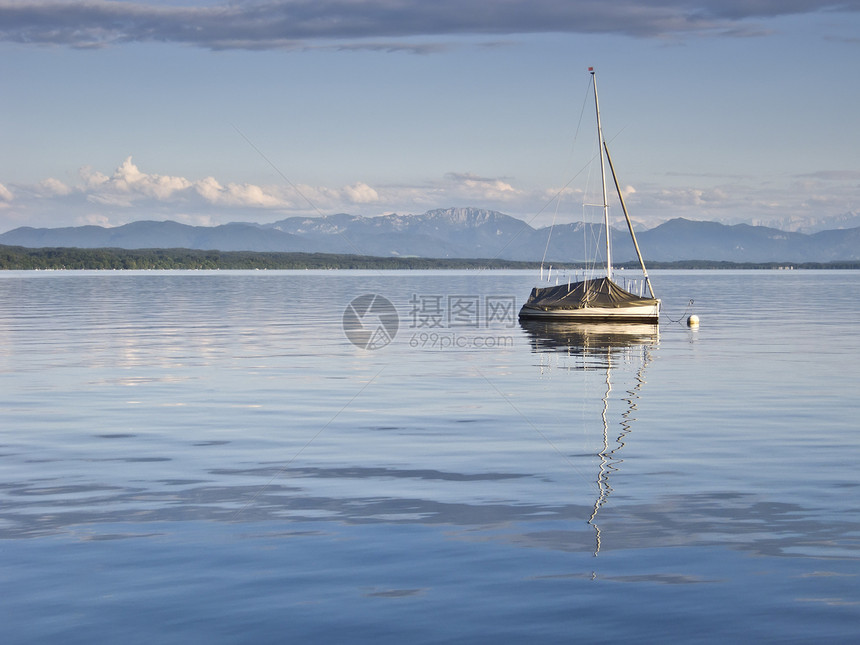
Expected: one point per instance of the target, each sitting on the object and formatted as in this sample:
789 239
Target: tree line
22 258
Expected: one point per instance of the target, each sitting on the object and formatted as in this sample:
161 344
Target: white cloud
252 195
92 178
93 219
209 189
111 200
476 187
131 193
678 198
834 175
566 192
128 179
130 185
360 193
246 195
51 186
196 219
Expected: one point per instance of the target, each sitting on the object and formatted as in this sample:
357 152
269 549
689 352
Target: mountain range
461 233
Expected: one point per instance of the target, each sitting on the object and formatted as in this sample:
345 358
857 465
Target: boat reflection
584 338
620 351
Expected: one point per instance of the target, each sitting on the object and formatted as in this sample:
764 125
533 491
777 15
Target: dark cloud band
284 24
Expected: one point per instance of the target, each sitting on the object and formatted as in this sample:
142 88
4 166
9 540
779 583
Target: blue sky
207 112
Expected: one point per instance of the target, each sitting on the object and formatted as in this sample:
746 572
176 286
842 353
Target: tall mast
602 177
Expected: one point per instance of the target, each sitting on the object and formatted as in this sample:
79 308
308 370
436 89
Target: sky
207 112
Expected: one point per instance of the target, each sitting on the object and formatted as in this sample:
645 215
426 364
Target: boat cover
600 292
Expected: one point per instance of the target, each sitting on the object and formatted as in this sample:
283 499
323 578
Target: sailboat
597 299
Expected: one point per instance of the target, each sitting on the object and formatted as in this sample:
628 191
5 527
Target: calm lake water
207 457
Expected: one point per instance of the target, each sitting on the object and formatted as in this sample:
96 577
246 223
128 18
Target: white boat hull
638 314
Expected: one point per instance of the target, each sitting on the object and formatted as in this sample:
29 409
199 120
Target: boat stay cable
629 223
558 195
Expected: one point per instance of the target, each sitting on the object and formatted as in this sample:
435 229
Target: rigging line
572 148
534 427
585 98
549 235
277 170
596 238
293 186
557 195
588 236
545 206
286 465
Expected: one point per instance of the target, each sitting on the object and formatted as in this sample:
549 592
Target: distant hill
156 235
681 239
459 233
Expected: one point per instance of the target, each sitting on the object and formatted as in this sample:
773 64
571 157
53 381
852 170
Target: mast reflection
625 348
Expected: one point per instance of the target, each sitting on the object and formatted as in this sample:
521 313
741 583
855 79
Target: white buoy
693 321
